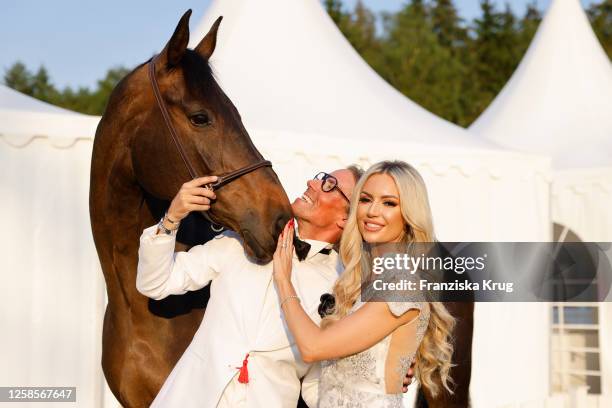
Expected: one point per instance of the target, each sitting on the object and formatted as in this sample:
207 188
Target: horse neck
118 217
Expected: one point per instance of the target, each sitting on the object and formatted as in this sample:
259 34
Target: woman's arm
352 334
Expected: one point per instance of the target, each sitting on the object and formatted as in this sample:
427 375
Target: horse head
210 131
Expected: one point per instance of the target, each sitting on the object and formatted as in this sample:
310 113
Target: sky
79 40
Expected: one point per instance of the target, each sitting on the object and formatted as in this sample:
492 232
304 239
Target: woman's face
379 218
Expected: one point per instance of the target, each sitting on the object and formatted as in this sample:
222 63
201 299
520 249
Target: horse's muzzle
255 250
261 246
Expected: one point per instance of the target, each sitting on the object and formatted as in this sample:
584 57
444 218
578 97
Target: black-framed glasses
328 183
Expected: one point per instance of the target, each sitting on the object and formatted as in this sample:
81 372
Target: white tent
559 99
311 103
559 102
52 291
23 117
302 90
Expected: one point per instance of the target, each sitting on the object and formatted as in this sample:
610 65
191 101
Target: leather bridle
222 179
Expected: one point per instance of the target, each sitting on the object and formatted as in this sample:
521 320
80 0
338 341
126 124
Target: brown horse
461 373
136 170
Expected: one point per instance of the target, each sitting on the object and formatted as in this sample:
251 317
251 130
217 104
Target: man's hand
409 378
192 197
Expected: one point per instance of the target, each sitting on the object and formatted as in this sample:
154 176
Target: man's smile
306 198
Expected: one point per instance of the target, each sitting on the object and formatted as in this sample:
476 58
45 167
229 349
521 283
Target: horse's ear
207 46
174 50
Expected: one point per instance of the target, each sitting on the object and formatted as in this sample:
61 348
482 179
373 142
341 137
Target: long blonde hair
433 357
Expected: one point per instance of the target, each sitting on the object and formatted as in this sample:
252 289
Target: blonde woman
365 348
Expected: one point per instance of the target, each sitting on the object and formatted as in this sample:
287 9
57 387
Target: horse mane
198 73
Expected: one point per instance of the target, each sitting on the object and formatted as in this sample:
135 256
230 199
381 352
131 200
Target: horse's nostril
260 254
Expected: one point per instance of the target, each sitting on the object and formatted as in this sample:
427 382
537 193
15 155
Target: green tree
105 87
494 50
416 63
453 35
82 100
42 88
507 42
447 25
359 28
19 78
334 9
362 29
528 26
79 100
485 46
601 19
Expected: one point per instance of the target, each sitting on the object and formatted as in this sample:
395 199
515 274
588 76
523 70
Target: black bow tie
302 248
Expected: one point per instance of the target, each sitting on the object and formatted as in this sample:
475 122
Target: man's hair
356 171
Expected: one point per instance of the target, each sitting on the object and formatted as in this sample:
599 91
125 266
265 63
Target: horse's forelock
198 74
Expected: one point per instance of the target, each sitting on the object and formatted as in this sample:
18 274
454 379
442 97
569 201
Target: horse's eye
200 119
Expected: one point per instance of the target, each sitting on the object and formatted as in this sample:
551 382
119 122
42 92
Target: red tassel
243 378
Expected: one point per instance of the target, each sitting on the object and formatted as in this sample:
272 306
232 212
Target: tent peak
287 67
558 101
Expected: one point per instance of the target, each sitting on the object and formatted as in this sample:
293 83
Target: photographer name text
457 285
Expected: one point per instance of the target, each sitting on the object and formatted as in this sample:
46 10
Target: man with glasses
242 355
329 182
322 210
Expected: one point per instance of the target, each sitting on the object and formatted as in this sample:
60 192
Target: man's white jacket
243 316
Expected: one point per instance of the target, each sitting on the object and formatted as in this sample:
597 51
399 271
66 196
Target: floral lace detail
360 366
341 396
404 365
422 324
357 381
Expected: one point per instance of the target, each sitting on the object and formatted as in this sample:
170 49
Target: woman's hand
283 256
192 197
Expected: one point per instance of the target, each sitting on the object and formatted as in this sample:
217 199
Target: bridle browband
221 180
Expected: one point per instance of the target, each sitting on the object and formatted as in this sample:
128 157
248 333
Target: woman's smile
379 215
372 226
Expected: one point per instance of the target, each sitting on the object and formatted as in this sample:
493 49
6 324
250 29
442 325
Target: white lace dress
373 378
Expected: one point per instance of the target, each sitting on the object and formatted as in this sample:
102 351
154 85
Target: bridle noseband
222 179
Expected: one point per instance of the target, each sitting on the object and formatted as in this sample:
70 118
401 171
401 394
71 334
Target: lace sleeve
399 308
403 299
